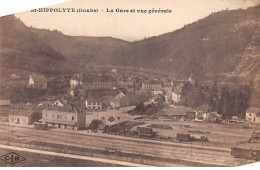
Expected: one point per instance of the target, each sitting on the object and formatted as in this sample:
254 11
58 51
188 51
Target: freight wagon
145 132
251 153
183 137
39 125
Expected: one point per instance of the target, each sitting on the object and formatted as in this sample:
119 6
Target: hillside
249 67
210 46
22 49
224 44
80 49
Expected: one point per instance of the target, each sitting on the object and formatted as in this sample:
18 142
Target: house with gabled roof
253 114
38 81
176 94
205 112
76 80
23 116
115 102
93 104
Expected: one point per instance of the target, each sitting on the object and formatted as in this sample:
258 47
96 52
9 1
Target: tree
213 96
134 98
76 92
94 124
160 106
245 98
192 96
224 103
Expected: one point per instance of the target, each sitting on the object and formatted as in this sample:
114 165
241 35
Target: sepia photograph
131 83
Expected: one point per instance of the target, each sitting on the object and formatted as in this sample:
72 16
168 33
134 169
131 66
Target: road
207 155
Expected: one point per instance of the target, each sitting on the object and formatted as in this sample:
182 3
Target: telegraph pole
8 128
190 152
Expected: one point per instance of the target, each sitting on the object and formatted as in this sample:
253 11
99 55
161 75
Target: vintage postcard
130 83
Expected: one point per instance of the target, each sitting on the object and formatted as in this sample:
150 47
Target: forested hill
224 43
80 49
22 49
210 46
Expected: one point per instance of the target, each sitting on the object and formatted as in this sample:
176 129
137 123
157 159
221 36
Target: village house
99 82
37 81
108 117
176 97
176 91
5 103
76 104
167 88
115 103
211 116
60 103
155 92
179 83
25 117
182 113
204 112
190 112
77 91
93 104
176 113
130 87
46 103
151 85
76 80
93 84
127 85
64 118
253 114
203 109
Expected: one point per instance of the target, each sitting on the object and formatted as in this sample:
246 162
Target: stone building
64 118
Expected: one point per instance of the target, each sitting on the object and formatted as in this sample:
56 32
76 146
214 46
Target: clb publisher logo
12 158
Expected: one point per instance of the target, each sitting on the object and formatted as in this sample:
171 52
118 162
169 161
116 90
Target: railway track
185 152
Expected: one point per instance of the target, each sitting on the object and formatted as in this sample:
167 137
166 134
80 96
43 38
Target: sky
128 26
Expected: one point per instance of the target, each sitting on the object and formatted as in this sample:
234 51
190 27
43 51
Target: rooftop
5 102
253 110
38 77
204 108
92 78
176 112
61 109
27 112
158 82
